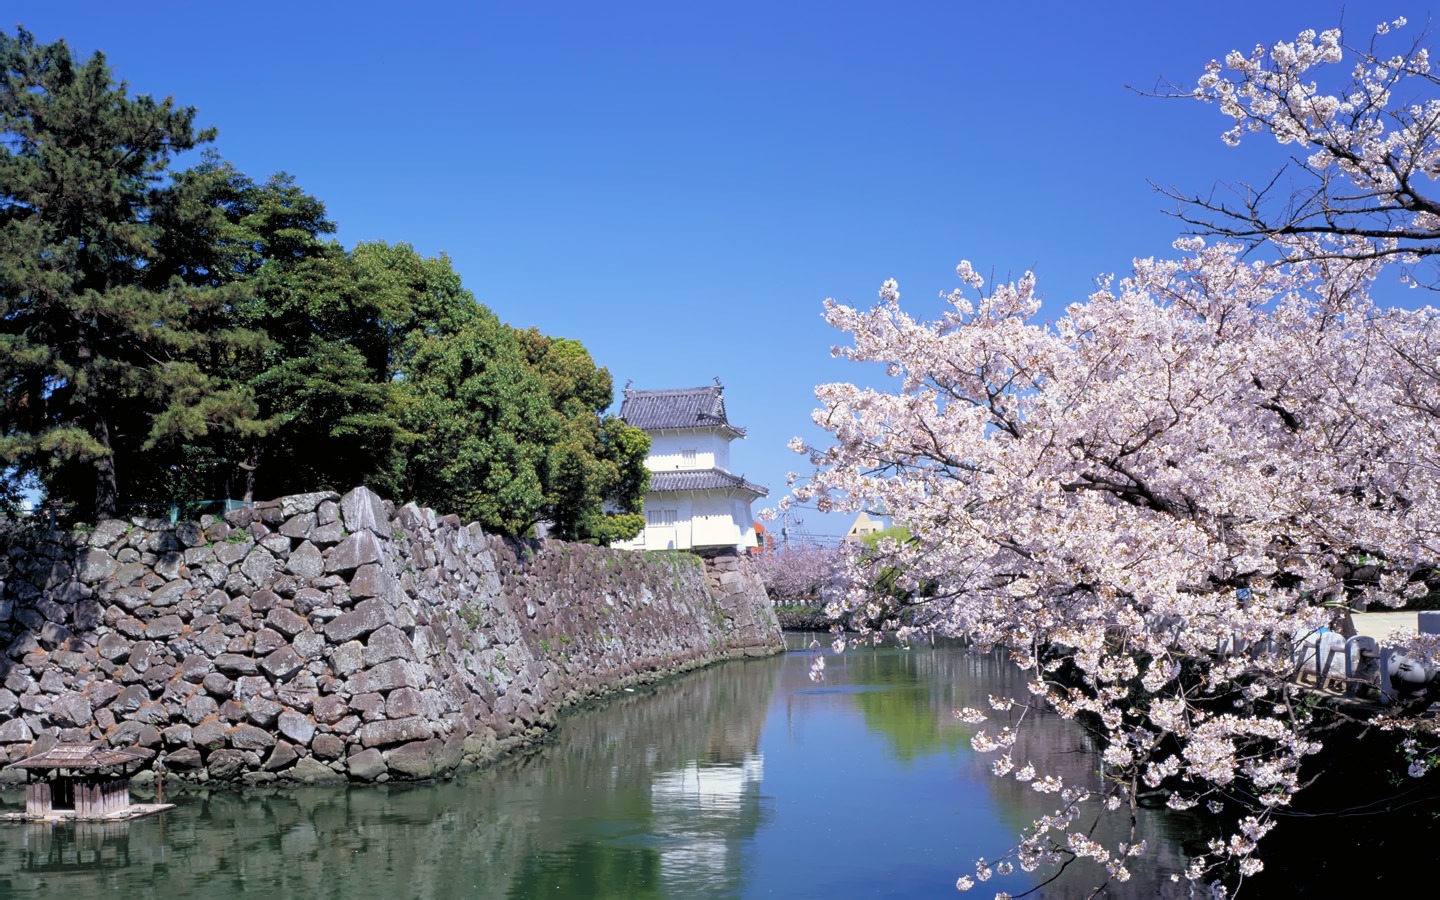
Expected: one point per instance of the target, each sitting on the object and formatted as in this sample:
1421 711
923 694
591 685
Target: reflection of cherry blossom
1148 501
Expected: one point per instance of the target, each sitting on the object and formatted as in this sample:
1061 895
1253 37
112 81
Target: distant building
694 501
866 524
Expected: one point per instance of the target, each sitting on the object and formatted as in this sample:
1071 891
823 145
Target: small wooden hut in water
83 783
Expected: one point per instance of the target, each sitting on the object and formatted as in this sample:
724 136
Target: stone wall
318 637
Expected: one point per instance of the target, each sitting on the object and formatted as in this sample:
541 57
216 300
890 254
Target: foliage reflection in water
742 780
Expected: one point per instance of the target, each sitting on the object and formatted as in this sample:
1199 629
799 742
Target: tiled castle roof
702 480
697 407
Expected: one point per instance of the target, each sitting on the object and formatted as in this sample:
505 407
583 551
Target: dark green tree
595 477
104 341
483 425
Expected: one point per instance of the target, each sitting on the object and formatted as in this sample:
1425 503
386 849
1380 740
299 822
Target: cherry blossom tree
1151 501
1367 153
797 575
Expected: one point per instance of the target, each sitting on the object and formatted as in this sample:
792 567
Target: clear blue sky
680 184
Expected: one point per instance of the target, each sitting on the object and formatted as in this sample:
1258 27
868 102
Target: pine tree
107 339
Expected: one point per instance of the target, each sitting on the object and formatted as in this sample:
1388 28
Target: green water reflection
591 870
907 706
742 780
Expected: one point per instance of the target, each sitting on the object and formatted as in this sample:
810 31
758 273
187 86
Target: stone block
131 627
99 692
209 733
248 686
298 526
195 667
237 611
347 658
282 663
262 601
176 735
268 640
387 643
263 711
283 755
108 532
249 737
308 770
307 600
394 731
67 660
309 645
327 534
15 731
328 746
297 727
158 677
372 580
113 647
183 759
330 709
189 534
129 700
167 565
370 706
353 552
234 664
269 512
259 566
234 549
164 627
242 517
199 707
286 622
404 702
358 622
95 565
276 543
225 764
367 765
299 504
218 685
385 677
361 509
52 682
54 635
152 713
71 709
297 694
125 734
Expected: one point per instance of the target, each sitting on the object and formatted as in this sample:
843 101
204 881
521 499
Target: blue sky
680 185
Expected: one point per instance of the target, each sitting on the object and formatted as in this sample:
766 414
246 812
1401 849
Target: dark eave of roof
703 480
697 407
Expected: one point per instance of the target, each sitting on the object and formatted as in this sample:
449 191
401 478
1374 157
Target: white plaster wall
714 520
702 519
666 451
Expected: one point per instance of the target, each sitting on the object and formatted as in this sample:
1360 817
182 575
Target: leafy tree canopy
172 336
104 343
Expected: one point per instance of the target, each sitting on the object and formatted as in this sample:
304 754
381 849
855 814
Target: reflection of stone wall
491 834
319 638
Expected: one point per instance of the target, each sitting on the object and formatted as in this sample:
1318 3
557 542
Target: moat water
742 780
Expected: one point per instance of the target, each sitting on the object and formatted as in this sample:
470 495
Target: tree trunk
249 466
107 484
